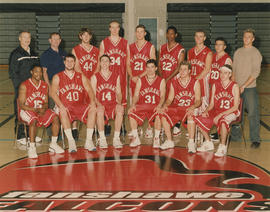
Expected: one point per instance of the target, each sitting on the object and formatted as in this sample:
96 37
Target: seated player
33 109
107 89
223 109
183 99
148 98
69 91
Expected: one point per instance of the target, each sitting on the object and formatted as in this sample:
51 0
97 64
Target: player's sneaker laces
214 137
167 145
156 143
148 133
32 151
176 131
222 150
191 147
89 145
103 143
135 142
38 139
206 146
54 147
117 143
72 146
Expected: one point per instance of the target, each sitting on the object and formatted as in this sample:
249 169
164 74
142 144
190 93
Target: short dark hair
36 66
200 30
140 26
69 55
83 30
55 33
185 63
104 55
24 31
153 61
172 28
249 30
221 39
114 21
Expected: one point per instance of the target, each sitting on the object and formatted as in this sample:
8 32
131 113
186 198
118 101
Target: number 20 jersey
71 91
149 94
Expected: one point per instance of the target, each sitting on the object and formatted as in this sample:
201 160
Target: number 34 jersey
71 90
149 94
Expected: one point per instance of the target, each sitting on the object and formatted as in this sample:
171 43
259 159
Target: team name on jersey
116 51
71 87
149 90
168 57
184 94
224 94
106 86
139 56
87 57
215 65
35 95
197 62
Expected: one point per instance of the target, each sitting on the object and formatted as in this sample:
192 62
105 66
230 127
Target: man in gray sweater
246 68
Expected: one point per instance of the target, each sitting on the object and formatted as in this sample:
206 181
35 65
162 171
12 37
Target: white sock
135 133
32 144
157 132
69 134
54 139
102 134
89 133
74 128
116 134
191 140
207 141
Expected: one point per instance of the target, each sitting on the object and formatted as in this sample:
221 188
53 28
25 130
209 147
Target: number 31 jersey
71 90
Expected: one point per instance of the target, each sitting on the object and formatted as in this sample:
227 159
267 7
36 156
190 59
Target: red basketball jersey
223 99
71 90
150 91
106 88
139 57
87 59
184 96
197 60
216 65
118 54
168 59
35 95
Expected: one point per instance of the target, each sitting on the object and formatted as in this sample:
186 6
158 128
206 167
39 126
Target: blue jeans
251 105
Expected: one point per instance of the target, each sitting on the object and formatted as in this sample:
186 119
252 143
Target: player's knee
55 120
33 123
100 110
119 109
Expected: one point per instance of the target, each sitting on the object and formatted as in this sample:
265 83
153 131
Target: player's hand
158 109
205 114
217 118
41 111
242 89
131 109
190 111
135 79
164 109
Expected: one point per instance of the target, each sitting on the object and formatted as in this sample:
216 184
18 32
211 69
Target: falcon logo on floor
140 179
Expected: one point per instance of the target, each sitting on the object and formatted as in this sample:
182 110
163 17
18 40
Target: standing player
148 98
107 89
140 52
33 109
222 110
200 58
69 91
184 97
171 55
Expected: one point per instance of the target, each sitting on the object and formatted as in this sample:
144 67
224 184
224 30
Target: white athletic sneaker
38 139
54 147
130 134
89 145
167 145
32 152
191 147
72 146
222 150
135 142
156 143
206 146
103 143
117 143
22 141
148 133
176 131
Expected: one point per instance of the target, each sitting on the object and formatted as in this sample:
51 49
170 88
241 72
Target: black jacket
20 65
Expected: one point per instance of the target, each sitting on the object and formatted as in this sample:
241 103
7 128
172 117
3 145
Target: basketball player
147 101
140 52
200 58
86 61
69 91
220 58
117 49
171 55
33 109
107 89
222 110
183 99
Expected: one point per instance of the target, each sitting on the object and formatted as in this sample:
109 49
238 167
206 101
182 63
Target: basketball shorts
42 120
174 115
